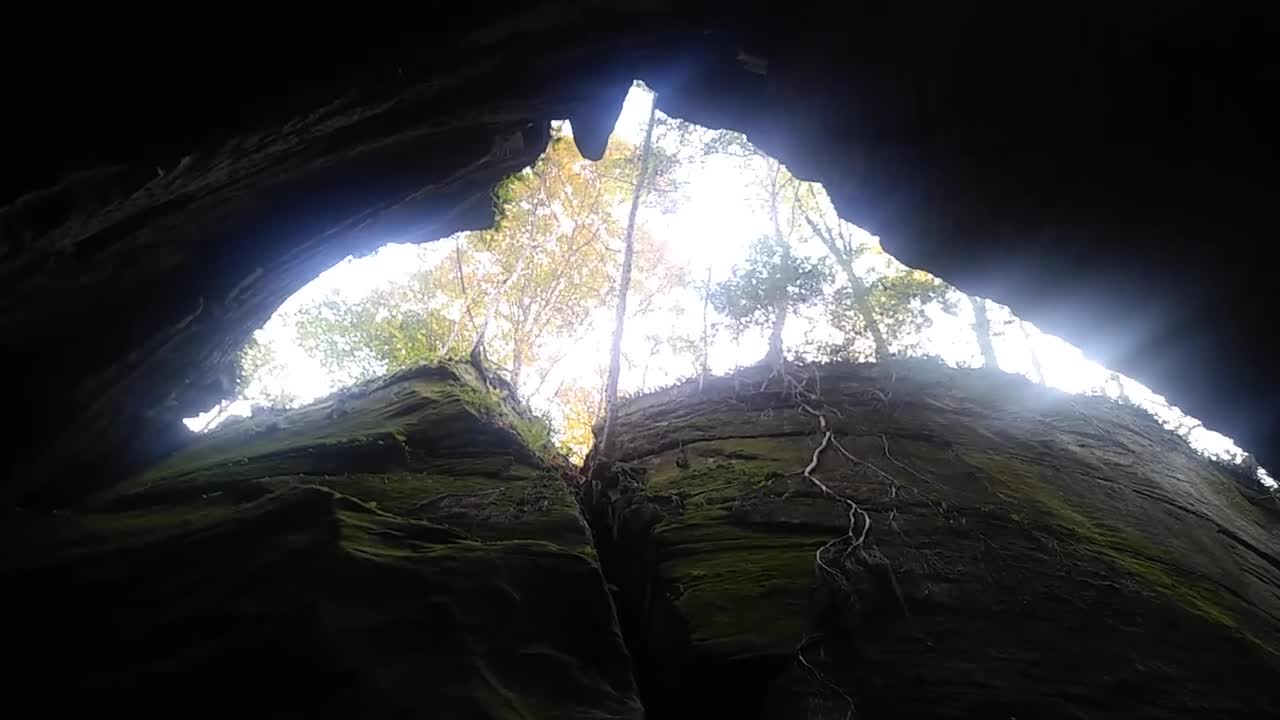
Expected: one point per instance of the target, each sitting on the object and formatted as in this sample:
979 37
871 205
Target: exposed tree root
852 536
804 642
854 540
885 441
893 484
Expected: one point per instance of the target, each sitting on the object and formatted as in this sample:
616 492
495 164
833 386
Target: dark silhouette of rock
409 556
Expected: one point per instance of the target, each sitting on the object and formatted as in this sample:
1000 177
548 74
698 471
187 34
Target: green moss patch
743 593
1020 485
1049 556
393 551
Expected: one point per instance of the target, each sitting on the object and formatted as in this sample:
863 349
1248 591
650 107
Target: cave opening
395 549
704 205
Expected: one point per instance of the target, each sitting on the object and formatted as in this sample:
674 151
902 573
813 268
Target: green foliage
535 430
254 358
260 377
580 405
773 278
537 433
390 329
531 282
484 400
542 270
878 301
504 196
899 303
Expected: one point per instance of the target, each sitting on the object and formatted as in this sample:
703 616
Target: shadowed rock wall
1023 553
409 548
396 550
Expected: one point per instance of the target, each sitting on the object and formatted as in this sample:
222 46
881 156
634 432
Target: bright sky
718 217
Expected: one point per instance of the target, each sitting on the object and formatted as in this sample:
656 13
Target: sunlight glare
710 231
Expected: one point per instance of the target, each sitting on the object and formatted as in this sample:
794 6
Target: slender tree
763 293
524 288
780 302
624 286
881 301
704 362
517 348
463 293
835 238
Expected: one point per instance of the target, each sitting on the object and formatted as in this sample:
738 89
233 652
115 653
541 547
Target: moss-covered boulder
964 544
397 550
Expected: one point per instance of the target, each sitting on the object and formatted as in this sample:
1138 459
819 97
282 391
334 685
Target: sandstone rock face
394 551
963 544
1028 554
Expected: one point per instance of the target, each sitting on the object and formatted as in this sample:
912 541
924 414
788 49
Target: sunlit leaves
551 260
262 376
773 277
390 329
899 302
580 406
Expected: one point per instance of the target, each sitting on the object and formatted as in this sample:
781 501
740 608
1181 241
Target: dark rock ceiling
1109 174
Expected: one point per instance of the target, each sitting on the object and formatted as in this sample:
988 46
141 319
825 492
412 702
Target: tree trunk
863 296
862 300
1035 356
704 366
861 293
447 349
477 348
982 330
774 355
624 285
775 335
517 365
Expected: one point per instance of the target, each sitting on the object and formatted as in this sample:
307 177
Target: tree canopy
532 280
537 292
771 284
531 288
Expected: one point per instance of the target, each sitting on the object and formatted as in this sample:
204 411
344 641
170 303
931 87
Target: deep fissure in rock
405 530
850 578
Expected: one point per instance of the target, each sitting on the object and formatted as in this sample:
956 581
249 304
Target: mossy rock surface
1030 554
393 551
